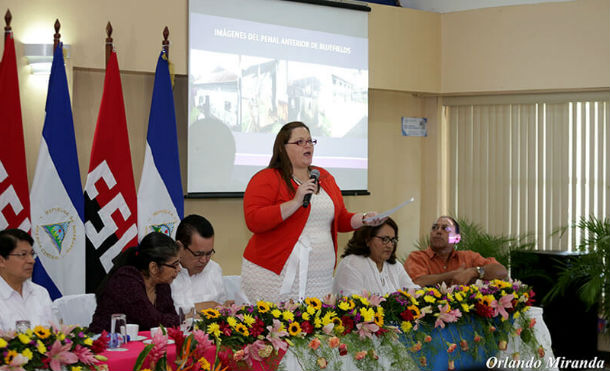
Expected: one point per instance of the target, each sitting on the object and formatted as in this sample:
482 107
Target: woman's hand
368 219
290 207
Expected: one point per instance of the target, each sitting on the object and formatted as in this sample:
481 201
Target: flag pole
109 45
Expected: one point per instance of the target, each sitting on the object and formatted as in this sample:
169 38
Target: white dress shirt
206 285
34 305
356 273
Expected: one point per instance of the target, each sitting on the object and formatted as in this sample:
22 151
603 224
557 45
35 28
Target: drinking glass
187 317
118 331
22 325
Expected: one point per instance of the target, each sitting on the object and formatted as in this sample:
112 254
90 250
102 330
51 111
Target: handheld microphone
315 174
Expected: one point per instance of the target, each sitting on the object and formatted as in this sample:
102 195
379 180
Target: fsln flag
160 198
110 193
56 196
14 197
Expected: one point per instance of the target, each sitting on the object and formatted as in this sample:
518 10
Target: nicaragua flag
160 197
56 197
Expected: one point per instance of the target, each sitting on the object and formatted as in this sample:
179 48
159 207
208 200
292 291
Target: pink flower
518 331
446 315
464 345
322 362
239 355
85 355
60 355
427 339
360 355
16 363
275 335
252 352
314 343
202 339
159 349
416 347
367 329
532 322
334 342
451 347
502 345
342 349
477 338
500 306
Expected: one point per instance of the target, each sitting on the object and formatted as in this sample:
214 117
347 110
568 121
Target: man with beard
441 262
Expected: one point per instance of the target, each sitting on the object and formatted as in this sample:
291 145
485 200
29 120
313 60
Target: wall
552 46
410 51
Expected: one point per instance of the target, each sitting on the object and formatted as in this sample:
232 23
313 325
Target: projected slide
248 78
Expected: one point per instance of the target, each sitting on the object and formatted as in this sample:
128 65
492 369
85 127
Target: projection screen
255 65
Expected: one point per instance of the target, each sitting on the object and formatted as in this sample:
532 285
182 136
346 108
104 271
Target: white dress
262 284
356 273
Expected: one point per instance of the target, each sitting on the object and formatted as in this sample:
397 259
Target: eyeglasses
23 254
303 142
201 254
174 265
386 240
444 227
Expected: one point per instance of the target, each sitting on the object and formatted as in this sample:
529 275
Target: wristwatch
481 272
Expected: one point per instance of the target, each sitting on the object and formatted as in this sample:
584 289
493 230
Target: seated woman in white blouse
369 263
20 299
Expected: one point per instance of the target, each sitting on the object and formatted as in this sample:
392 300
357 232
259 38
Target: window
529 164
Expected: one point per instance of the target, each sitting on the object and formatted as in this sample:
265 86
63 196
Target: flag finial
57 35
7 19
165 42
109 46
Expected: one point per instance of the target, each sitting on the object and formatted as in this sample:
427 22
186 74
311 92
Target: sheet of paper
389 212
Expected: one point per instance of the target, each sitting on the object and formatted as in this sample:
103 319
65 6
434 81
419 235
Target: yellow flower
306 316
214 329
231 321
379 319
76 368
429 299
9 356
88 341
40 347
415 311
288 315
459 296
27 353
339 329
24 338
516 315
344 306
211 313
337 321
367 314
204 364
276 313
328 318
466 308
317 322
3 343
314 302
242 329
42 332
294 329
311 310
406 326
364 301
263 306
249 320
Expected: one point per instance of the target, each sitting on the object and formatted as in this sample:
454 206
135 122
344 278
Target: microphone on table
315 174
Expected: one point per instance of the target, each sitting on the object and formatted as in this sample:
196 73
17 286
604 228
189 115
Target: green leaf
142 357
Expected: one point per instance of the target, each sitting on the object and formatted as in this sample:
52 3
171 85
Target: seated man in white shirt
20 298
199 284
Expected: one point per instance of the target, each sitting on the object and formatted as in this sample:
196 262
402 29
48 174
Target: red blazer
274 238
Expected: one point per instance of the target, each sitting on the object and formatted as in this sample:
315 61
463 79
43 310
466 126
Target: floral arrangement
56 348
403 330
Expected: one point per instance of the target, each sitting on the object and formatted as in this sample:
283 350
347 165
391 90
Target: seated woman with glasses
20 298
369 263
138 285
294 220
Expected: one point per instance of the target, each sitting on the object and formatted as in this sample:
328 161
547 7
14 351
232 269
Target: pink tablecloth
125 360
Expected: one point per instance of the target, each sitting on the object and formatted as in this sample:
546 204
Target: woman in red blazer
292 253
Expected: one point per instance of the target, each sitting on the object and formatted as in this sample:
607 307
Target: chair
233 288
75 309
